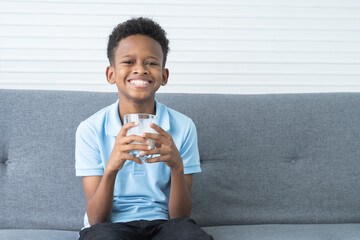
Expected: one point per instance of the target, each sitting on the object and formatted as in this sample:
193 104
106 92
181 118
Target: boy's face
137 69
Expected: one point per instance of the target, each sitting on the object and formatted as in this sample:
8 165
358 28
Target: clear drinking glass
144 121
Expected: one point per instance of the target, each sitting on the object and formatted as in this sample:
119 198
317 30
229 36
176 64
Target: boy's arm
99 190
180 202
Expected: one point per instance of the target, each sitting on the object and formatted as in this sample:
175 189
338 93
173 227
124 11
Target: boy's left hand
166 147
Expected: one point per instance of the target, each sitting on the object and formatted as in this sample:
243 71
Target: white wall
227 46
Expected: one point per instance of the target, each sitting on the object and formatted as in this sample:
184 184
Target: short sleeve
87 155
189 150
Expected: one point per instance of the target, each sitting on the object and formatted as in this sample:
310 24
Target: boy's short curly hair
141 25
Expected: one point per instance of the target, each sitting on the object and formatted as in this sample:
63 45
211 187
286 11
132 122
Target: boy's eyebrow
128 55
156 58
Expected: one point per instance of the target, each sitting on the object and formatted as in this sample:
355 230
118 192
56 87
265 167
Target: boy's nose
140 69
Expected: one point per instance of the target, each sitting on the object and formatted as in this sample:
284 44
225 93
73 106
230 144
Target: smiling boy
125 197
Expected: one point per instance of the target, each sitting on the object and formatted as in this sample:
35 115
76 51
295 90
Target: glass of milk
143 121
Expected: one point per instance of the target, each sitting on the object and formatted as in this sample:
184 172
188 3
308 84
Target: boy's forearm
99 206
180 202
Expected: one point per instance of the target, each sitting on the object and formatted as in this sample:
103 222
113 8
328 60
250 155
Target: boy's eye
150 63
128 62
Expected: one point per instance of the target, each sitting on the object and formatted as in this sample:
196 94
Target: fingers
132 147
159 140
126 127
155 159
153 136
160 131
133 158
164 145
151 152
133 138
161 155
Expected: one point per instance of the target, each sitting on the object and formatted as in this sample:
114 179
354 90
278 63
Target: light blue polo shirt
141 192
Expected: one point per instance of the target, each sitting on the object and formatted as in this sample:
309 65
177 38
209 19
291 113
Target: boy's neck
128 107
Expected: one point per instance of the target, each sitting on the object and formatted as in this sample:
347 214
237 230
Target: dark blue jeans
174 229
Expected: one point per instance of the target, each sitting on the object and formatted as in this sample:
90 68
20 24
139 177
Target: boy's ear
110 75
165 76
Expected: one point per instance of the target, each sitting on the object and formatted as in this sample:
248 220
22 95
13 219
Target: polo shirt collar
113 124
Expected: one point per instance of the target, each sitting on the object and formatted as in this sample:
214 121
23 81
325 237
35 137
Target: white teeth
139 82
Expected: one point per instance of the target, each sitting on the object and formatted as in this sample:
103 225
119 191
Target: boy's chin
141 97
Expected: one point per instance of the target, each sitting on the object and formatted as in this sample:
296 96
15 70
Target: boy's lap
109 231
179 228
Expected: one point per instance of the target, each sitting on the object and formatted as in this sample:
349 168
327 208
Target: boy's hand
166 147
122 146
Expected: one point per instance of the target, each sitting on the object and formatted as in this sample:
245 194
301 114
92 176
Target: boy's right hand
122 146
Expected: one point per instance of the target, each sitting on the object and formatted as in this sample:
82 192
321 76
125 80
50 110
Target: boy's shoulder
176 114
172 112
178 119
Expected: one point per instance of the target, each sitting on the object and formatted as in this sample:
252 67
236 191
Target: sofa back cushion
286 158
291 158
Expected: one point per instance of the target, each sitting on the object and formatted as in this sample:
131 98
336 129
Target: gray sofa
277 166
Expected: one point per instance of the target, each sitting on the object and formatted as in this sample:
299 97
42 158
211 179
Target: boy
120 202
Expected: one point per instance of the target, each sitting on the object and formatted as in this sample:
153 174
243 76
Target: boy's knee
98 235
101 231
185 228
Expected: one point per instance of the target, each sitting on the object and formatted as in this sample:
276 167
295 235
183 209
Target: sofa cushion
286 232
266 159
36 234
277 158
234 232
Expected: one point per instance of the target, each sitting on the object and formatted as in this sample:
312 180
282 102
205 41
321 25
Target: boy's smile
140 82
137 69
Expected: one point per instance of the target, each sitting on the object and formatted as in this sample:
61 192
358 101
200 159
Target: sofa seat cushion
36 234
234 232
286 232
